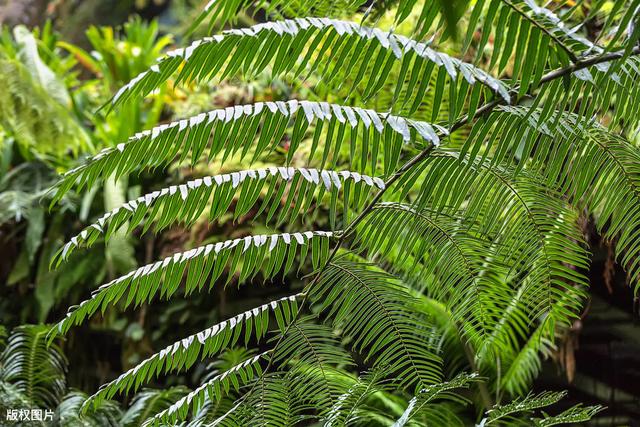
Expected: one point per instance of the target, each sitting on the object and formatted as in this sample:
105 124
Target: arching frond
456 258
211 410
346 407
585 161
532 35
107 414
519 411
271 255
524 365
432 250
232 378
525 404
149 402
306 354
34 368
235 130
220 12
451 344
573 415
272 401
437 391
605 90
184 353
301 44
311 352
187 202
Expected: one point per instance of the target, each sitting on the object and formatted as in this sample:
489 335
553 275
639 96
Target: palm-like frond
437 391
233 377
480 260
582 159
33 368
523 29
300 46
69 412
311 351
149 402
187 202
512 412
271 255
308 386
346 407
234 131
573 415
526 404
184 353
370 307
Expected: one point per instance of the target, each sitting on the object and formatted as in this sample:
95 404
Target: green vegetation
381 222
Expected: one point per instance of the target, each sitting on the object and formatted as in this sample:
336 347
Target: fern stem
585 63
550 76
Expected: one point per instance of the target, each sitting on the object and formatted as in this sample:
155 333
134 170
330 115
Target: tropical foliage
427 179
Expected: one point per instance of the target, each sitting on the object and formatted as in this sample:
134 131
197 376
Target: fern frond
436 391
533 36
235 129
596 168
273 401
187 202
426 242
523 364
525 404
613 91
107 414
458 257
148 403
232 378
306 354
303 43
210 411
513 412
34 368
605 90
182 354
573 415
272 254
372 308
310 352
345 408
38 122
446 255
221 12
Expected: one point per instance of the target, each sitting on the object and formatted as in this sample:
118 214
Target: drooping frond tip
269 254
182 354
186 202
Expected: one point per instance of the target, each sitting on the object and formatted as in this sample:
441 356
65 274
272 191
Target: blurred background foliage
60 61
